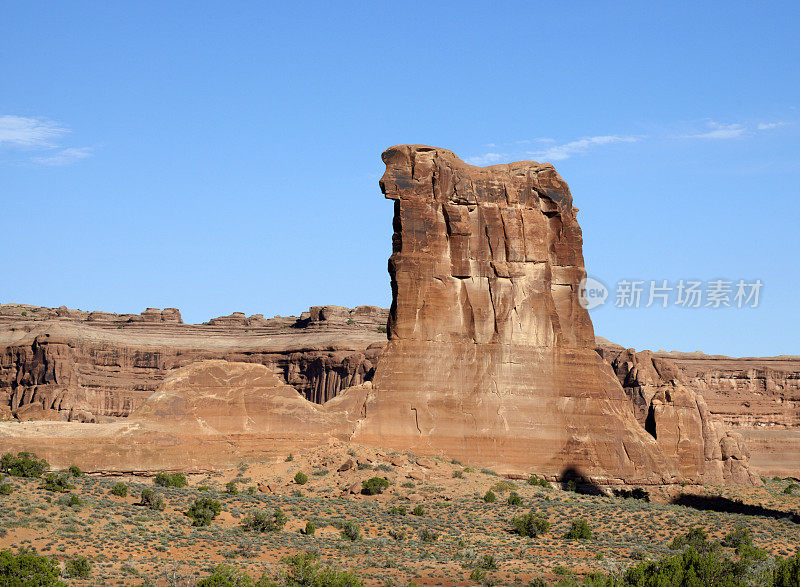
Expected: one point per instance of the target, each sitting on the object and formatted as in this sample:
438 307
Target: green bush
489 497
231 489
486 562
73 501
170 480
119 489
78 568
696 538
737 537
351 531
579 530
152 500
25 464
28 568
530 525
418 511
400 511
203 511
261 521
310 529
458 474
514 498
75 471
6 489
787 571
301 478
636 493
374 486
427 535
229 576
305 570
790 488
58 483
534 480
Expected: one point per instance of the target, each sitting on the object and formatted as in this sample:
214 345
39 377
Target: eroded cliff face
60 364
490 356
753 403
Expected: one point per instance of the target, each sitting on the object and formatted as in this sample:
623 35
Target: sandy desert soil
128 543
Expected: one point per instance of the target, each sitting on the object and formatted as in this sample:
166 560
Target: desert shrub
374 486
251 490
696 538
486 562
790 488
152 500
119 489
427 535
57 483
28 568
689 568
397 533
78 568
418 511
737 537
478 575
73 501
310 529
25 464
351 531
571 485
579 530
636 493
170 480
261 521
301 478
458 474
503 486
536 481
75 471
787 571
229 576
6 489
514 498
303 569
399 510
290 458
203 511
384 468
320 472
489 497
362 466
231 489
530 525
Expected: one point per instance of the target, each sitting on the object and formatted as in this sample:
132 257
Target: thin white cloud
485 159
43 137
20 131
771 125
719 130
65 156
567 150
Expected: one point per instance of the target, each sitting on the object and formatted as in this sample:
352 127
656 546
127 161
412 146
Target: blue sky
223 157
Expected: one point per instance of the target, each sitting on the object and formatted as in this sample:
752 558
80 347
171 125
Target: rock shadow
718 503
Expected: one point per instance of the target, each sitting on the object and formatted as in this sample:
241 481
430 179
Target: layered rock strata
490 356
756 400
64 364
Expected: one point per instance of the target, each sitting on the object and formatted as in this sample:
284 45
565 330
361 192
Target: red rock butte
490 360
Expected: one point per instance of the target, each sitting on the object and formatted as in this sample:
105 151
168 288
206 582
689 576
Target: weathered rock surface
491 359
204 416
490 356
81 366
754 399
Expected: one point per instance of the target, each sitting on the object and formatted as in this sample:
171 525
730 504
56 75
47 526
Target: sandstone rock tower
490 357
